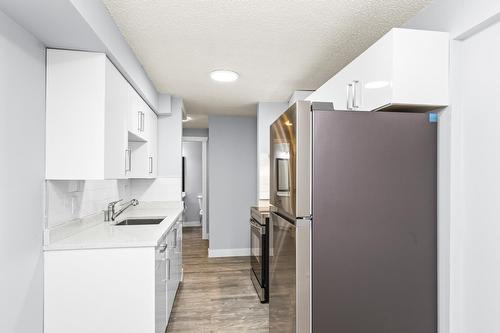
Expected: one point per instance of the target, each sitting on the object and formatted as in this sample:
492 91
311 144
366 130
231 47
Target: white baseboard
189 224
212 253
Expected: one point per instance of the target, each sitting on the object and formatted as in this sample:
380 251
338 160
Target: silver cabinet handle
168 271
175 244
349 96
150 164
143 114
139 120
128 160
355 85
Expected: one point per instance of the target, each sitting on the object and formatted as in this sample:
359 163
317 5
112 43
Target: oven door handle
257 226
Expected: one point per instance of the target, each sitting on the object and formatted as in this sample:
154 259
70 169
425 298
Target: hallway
216 294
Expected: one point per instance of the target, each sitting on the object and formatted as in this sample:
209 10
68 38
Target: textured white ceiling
277 46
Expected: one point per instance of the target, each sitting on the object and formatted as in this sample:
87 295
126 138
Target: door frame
204 180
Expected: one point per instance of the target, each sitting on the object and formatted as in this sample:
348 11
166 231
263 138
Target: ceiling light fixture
188 118
222 75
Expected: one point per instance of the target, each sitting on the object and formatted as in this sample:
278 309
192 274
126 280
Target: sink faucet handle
112 203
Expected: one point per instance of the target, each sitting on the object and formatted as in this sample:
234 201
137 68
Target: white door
477 225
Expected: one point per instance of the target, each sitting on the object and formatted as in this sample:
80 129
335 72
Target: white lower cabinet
113 290
174 263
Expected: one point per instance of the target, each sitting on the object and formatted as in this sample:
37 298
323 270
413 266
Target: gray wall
170 142
22 169
196 132
81 25
192 152
232 181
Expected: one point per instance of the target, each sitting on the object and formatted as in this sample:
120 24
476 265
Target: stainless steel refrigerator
354 224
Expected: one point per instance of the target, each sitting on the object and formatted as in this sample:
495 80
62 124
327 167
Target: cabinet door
139 159
334 90
371 75
115 127
171 285
152 136
160 292
179 252
136 116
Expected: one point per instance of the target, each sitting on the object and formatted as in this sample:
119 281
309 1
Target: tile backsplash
71 199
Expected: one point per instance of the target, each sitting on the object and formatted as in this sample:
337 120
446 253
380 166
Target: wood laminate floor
216 294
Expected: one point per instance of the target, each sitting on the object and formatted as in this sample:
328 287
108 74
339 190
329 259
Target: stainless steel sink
139 221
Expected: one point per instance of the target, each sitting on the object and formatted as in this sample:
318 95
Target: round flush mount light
223 75
186 119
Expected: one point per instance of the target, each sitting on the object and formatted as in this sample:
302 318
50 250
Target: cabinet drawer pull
355 85
128 160
175 244
349 96
139 120
150 164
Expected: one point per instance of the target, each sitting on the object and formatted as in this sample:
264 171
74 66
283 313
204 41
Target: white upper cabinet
152 135
144 148
137 116
86 134
98 127
405 69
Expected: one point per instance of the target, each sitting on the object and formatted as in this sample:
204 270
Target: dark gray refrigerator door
374 243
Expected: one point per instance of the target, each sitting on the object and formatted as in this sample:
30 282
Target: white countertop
107 235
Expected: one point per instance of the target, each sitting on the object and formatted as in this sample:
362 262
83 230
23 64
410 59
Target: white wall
117 48
232 183
267 113
72 199
22 170
468 166
192 151
81 25
170 142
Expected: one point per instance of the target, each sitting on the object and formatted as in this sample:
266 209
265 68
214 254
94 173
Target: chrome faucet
110 214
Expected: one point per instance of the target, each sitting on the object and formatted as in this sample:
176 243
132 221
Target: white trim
204 187
214 253
189 224
475 29
194 139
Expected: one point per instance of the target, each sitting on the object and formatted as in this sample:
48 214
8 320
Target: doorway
195 193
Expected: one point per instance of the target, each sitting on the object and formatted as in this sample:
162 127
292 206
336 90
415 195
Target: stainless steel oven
259 257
